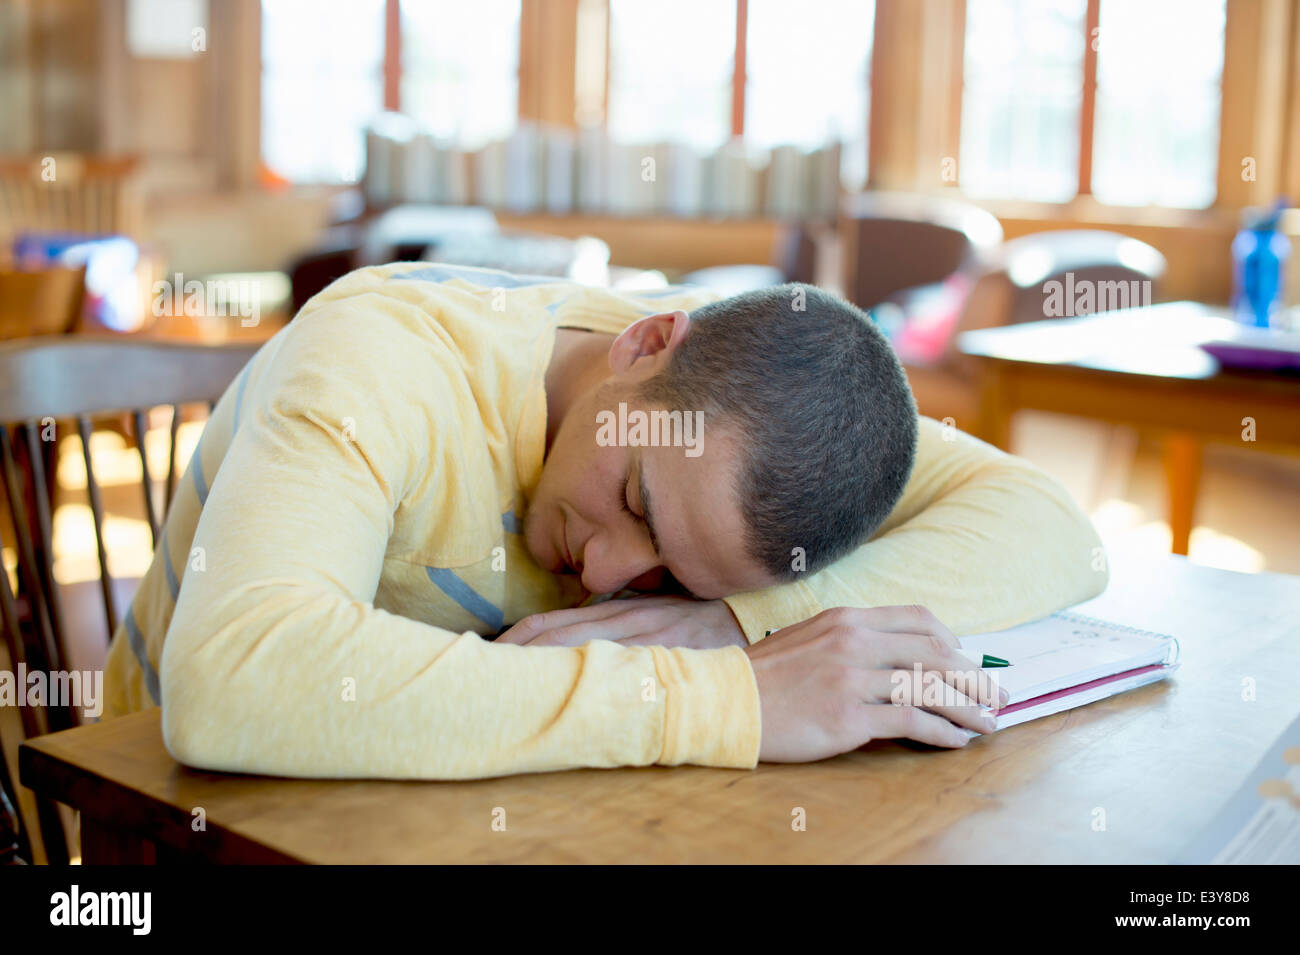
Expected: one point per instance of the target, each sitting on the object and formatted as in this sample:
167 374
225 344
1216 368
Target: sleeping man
429 457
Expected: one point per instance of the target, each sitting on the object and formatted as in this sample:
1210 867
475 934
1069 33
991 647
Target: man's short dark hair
822 406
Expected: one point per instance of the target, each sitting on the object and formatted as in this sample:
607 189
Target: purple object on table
1264 351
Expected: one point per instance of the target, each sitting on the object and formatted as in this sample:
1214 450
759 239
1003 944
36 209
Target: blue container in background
1259 254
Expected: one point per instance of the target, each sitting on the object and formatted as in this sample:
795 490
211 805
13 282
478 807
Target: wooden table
1139 367
1158 762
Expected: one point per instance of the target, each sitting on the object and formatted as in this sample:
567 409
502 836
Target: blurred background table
1142 367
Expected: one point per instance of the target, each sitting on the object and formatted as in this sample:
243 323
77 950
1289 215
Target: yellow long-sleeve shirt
352 518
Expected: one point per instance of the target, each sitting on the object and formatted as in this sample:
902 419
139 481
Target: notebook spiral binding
1072 617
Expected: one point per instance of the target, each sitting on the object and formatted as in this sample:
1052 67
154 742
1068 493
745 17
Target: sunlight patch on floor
116 460
117 464
1124 526
1207 546
1116 516
9 560
76 559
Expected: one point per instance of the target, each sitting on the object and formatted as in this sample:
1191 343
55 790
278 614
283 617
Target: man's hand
665 621
831 684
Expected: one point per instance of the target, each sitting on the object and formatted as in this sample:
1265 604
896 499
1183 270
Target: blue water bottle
1259 254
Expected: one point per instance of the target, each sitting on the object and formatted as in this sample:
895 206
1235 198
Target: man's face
589 512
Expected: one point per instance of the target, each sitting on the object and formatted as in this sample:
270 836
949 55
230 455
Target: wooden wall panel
916 74
1253 121
548 44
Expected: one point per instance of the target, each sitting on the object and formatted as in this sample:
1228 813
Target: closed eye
645 518
671 583
622 497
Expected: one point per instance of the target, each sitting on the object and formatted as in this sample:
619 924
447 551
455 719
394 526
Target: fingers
928 691
662 639
630 627
906 651
931 692
909 619
520 633
536 624
903 637
885 721
583 633
571 636
848 623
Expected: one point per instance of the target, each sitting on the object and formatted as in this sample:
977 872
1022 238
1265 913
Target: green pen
989 662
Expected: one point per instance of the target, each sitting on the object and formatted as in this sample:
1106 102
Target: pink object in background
929 316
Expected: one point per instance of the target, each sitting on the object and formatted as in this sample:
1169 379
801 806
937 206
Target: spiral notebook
1068 660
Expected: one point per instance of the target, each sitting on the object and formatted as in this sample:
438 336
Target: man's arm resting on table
983 539
276 662
257 664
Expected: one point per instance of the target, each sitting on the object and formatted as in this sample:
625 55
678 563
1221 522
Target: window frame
1087 123
1259 112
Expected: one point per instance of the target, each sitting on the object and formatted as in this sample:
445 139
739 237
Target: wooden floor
1246 510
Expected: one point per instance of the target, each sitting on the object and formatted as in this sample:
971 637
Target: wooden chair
45 384
86 195
896 240
795 252
1012 289
1079 256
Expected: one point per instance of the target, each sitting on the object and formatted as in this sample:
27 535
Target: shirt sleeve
983 539
277 662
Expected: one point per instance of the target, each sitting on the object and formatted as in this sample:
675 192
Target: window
1159 77
1148 128
324 65
460 67
322 82
807 77
689 72
166 29
672 75
1021 98
670 69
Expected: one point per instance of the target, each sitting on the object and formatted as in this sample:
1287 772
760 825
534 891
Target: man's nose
607 569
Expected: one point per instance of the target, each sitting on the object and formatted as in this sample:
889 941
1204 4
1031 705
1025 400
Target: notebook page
1065 650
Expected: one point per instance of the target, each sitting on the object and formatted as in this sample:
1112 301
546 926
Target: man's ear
648 336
